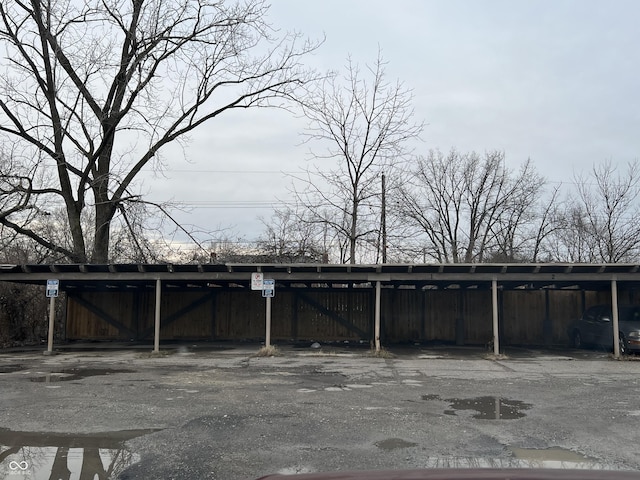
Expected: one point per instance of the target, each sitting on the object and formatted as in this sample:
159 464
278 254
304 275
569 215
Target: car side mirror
605 319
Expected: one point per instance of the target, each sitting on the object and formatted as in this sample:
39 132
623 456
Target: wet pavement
219 412
70 374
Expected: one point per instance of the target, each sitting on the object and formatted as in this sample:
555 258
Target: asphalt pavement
220 412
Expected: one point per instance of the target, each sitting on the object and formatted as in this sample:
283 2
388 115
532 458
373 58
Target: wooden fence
527 317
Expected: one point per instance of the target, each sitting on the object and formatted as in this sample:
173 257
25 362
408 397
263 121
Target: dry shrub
268 351
24 317
382 353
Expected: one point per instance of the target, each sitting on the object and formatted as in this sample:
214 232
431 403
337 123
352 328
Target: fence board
190 312
84 324
523 317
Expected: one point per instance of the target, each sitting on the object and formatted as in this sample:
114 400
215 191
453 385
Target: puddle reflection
487 408
46 456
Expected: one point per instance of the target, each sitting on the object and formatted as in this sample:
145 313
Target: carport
157 279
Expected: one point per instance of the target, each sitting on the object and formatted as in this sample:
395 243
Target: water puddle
553 458
394 444
486 408
32 455
11 368
69 374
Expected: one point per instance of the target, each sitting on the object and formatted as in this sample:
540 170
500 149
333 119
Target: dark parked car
595 327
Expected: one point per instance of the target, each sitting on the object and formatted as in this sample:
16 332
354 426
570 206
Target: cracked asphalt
211 412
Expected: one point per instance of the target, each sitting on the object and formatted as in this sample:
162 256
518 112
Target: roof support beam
614 311
156 335
494 303
377 317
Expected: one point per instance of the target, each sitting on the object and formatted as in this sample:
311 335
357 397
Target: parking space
218 411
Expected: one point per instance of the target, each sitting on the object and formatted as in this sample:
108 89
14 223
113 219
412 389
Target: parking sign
52 288
268 288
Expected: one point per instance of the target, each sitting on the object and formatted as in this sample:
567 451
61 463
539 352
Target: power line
228 203
253 172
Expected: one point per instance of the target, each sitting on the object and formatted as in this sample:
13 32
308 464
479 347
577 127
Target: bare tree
548 221
92 91
365 126
572 242
289 238
602 226
526 221
467 207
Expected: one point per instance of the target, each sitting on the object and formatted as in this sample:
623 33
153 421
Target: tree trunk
75 228
353 233
105 207
100 253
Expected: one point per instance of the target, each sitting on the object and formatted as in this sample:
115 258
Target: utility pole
383 220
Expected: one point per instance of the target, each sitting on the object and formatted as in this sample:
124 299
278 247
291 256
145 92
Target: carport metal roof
314 275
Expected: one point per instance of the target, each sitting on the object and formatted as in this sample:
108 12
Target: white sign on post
257 281
268 288
52 288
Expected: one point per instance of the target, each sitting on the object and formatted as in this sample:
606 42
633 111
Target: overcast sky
554 81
